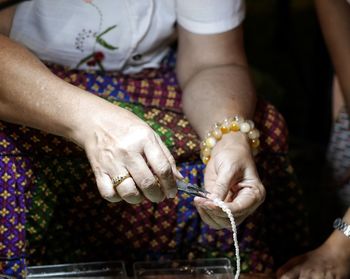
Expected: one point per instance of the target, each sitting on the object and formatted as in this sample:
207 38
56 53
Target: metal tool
191 189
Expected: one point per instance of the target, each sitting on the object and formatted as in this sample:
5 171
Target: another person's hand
326 262
117 144
231 176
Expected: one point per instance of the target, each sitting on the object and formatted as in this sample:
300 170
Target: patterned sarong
51 211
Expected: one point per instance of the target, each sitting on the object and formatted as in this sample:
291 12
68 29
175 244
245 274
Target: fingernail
178 174
172 194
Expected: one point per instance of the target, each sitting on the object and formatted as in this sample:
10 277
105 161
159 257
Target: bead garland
225 209
232 124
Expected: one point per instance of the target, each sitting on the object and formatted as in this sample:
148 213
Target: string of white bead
224 208
232 124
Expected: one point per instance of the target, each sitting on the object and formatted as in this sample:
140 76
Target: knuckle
147 133
263 193
165 170
123 151
220 185
147 182
258 194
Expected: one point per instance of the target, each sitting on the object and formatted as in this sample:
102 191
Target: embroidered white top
126 35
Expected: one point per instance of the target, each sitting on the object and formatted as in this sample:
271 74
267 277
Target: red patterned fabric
67 221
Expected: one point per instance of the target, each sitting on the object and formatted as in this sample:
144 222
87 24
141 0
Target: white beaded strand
224 208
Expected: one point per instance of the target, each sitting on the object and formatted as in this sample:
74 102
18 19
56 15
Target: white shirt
127 35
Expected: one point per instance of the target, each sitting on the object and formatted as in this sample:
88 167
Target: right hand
230 176
117 143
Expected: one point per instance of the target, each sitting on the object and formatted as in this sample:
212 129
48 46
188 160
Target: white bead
210 142
251 123
245 127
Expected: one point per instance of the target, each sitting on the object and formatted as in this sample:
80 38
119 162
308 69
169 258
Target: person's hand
230 176
118 143
326 262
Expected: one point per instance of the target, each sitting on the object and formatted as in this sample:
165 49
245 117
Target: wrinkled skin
118 143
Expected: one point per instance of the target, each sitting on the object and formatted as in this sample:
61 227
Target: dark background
292 69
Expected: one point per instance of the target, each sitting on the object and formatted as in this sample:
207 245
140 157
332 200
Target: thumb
221 186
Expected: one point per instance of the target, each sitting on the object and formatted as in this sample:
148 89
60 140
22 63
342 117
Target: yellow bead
210 142
217 134
205 160
254 143
206 152
234 126
225 129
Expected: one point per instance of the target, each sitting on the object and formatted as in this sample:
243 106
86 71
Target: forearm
216 93
334 18
31 95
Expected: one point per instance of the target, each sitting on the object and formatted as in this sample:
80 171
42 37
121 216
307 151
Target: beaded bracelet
234 124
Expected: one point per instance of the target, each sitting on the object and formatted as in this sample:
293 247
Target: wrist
239 130
340 243
86 117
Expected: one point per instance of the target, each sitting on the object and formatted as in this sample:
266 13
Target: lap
53 179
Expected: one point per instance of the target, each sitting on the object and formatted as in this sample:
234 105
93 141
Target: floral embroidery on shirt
96 57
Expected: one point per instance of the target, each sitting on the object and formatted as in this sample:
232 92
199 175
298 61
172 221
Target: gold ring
116 181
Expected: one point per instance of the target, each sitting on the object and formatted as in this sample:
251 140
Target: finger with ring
117 180
125 187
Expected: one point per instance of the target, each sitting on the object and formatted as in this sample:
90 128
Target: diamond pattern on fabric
48 188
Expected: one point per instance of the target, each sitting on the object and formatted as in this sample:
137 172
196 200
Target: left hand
231 176
322 263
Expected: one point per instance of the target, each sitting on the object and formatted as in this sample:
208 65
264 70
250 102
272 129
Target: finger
208 220
224 222
170 157
208 204
144 178
216 210
126 189
247 200
290 265
228 175
162 168
292 274
308 274
105 187
221 221
329 275
291 270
